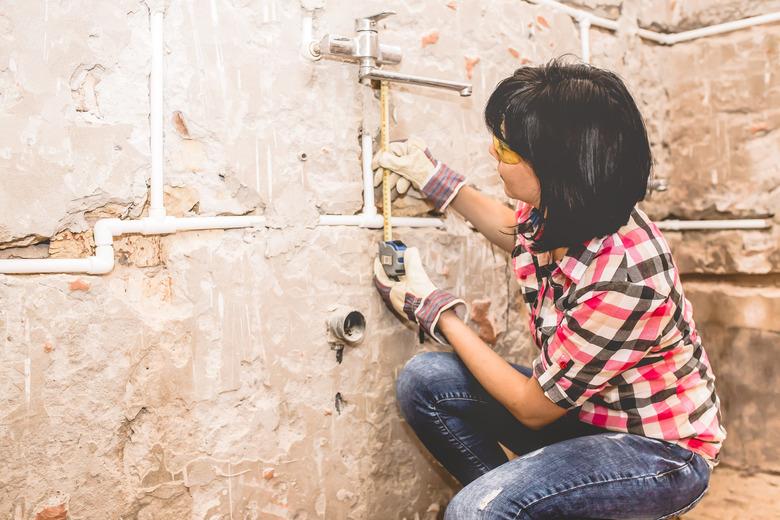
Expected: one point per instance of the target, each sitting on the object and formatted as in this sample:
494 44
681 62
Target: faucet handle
369 22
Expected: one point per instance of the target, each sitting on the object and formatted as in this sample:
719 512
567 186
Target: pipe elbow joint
103 261
105 230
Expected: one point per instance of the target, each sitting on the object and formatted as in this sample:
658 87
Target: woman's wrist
447 320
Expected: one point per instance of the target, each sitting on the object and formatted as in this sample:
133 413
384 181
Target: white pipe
307 23
681 225
578 14
376 221
222 222
367 151
106 229
585 39
47 265
723 28
158 224
156 209
662 38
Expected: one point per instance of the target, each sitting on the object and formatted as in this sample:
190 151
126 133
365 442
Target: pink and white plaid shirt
617 338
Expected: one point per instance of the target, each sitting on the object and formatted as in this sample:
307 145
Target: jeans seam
460 445
689 506
608 481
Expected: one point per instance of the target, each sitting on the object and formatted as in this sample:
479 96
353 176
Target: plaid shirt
617 337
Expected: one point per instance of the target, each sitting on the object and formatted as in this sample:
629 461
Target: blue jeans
567 469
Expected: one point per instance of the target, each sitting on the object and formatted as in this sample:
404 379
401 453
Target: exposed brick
78 285
180 125
481 317
58 512
430 38
470 64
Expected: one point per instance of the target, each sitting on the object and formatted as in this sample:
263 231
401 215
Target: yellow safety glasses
505 154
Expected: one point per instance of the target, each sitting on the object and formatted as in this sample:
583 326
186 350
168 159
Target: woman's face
519 180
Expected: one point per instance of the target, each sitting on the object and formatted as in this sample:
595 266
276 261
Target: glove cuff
442 186
429 310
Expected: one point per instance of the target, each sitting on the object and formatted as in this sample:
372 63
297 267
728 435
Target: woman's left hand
414 296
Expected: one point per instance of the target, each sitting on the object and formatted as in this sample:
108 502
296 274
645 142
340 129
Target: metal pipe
156 208
464 89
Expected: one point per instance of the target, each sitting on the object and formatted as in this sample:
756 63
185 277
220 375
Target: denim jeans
567 469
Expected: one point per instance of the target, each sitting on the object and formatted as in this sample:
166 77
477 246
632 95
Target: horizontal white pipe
680 225
376 221
223 222
46 265
579 14
723 28
662 38
101 263
156 207
106 229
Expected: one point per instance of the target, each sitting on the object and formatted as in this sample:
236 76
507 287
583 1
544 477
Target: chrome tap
365 50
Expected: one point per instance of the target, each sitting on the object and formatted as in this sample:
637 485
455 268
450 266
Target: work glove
413 165
414 296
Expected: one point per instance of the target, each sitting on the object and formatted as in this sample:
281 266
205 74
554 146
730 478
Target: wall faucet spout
368 73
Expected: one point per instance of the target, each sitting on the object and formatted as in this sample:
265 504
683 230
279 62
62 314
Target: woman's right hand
413 164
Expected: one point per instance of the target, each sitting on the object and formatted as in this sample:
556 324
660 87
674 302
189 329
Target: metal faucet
365 50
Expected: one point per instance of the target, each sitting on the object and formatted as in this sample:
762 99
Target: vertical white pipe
156 208
367 146
585 38
307 27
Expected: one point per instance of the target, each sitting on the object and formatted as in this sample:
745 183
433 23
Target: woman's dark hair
582 133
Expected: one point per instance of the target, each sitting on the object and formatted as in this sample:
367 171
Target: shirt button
562 363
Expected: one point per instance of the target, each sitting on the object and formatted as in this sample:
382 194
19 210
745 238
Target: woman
618 418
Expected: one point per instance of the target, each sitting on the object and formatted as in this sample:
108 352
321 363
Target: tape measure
391 252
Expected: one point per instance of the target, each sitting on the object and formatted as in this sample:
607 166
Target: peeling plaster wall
196 380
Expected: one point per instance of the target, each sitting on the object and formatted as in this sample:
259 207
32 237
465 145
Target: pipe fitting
347 325
159 226
104 231
103 261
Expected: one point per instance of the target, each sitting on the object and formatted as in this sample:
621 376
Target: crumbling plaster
196 380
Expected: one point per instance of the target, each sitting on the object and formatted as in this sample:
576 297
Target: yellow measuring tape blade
384 138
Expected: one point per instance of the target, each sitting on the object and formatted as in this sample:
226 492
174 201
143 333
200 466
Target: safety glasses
505 155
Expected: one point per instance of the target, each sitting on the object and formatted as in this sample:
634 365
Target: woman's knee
423 378
480 499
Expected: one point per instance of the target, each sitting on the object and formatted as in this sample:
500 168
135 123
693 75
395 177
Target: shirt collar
576 260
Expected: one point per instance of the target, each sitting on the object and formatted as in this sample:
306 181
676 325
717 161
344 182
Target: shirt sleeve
608 331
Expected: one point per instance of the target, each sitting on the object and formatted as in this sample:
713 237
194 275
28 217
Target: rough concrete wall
196 380
722 139
711 106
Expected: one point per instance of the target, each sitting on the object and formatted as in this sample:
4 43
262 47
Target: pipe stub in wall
347 325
